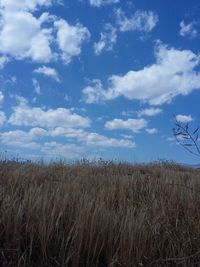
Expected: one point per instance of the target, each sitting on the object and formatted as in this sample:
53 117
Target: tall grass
101 215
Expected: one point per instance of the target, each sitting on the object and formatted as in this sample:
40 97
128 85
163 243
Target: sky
98 78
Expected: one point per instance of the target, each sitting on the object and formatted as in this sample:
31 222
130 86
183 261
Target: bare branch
183 133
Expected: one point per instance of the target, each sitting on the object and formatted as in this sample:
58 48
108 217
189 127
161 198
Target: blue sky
98 78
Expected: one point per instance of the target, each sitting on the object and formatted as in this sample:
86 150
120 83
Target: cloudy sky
98 78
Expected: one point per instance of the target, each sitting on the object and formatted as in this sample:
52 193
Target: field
99 214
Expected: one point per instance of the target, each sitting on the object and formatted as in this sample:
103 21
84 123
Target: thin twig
175 259
185 133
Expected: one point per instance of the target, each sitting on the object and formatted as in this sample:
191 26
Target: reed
99 214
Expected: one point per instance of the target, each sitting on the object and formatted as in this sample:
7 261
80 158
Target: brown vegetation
103 215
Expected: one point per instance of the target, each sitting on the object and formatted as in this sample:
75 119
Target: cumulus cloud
152 130
92 139
188 30
36 86
135 125
128 113
127 136
49 72
80 140
35 116
184 118
1 98
3 61
99 3
94 92
24 35
2 118
142 21
107 39
55 124
95 139
173 73
23 139
70 38
55 149
149 112
27 5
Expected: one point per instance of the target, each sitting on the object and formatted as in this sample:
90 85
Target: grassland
99 214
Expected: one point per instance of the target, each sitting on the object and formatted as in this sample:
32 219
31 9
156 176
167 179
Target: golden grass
103 215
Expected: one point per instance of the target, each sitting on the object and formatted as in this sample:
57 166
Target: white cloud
188 30
2 118
127 136
128 113
66 97
149 112
21 100
47 71
70 38
13 79
135 125
24 139
34 138
70 151
94 93
73 133
22 36
95 139
152 130
99 3
107 40
171 140
174 141
36 86
36 116
91 138
25 5
142 21
184 118
3 61
1 98
174 73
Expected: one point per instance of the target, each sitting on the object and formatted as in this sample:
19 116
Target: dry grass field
99 215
